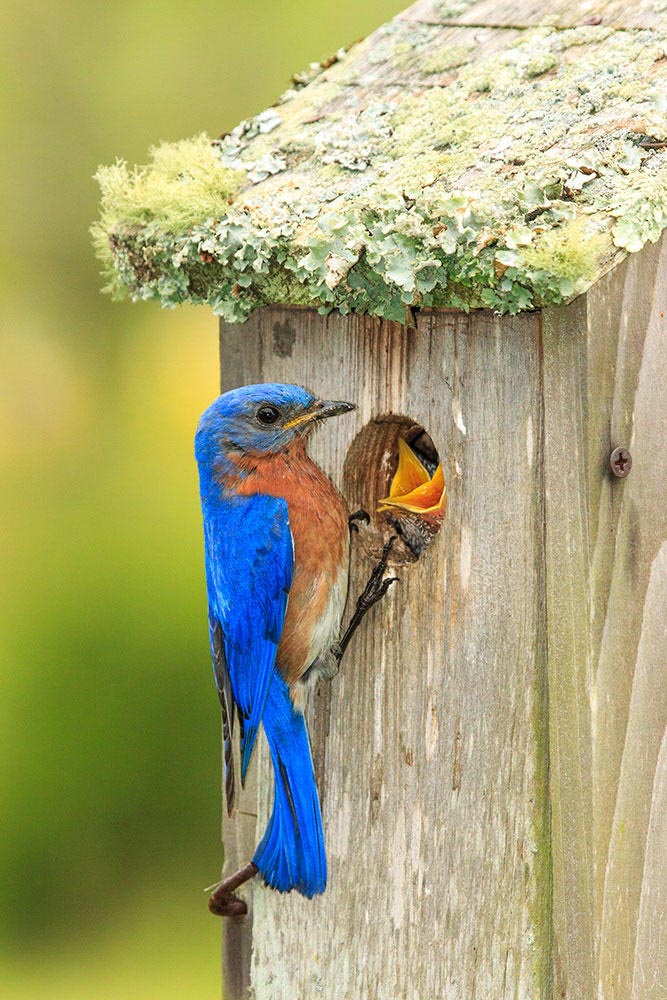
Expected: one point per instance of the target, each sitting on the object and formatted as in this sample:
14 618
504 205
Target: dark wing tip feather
227 704
228 752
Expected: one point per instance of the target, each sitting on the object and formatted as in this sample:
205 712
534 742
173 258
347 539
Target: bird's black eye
267 414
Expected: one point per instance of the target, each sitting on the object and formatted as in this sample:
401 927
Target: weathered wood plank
649 978
240 364
568 614
433 751
530 13
605 376
631 713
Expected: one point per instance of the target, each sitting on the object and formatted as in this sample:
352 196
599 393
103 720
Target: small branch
222 900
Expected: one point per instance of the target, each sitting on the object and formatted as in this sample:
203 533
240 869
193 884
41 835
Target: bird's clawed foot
222 900
373 592
377 587
359 515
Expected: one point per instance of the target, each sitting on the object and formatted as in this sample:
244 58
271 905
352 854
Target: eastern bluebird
277 551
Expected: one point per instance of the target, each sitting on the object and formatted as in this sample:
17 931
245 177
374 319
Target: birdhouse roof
466 154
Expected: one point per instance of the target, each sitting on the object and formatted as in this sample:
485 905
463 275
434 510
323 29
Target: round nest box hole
378 467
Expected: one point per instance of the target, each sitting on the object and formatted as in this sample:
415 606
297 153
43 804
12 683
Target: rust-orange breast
318 521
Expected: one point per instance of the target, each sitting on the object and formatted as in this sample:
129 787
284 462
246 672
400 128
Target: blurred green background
109 727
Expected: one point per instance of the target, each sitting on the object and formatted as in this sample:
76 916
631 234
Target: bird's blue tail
291 853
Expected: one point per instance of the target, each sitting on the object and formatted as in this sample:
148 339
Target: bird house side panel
605 377
430 744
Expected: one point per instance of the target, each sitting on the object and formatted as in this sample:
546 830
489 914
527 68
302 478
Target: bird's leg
373 592
222 900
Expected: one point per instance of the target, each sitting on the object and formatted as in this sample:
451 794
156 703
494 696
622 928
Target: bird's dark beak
320 409
331 408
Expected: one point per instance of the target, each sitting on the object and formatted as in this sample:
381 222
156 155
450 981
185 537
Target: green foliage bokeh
109 729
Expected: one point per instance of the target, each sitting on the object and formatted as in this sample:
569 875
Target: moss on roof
434 164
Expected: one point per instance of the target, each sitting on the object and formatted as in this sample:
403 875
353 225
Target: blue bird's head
256 419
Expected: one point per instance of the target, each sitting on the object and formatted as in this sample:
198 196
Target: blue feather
249 565
291 854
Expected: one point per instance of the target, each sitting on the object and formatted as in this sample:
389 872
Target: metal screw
620 462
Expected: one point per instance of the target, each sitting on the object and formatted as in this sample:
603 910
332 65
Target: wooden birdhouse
456 224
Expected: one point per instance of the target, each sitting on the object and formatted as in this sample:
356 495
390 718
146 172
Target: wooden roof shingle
464 155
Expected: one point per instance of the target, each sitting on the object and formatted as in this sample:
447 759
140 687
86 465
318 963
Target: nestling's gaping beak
413 489
320 409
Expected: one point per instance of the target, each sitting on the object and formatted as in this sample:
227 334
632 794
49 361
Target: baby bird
416 502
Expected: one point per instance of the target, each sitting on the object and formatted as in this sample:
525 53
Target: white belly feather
324 640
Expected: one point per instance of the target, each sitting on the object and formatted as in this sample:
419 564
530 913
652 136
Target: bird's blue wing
249 566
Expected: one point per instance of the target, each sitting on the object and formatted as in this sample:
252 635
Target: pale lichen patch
430 165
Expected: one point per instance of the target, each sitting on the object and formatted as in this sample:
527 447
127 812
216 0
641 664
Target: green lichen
448 57
570 251
449 9
183 184
280 287
540 64
420 169
641 217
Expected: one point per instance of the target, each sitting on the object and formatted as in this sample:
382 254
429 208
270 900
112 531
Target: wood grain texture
240 364
605 378
530 13
430 745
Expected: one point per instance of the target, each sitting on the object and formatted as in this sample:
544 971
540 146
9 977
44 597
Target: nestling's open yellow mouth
413 489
